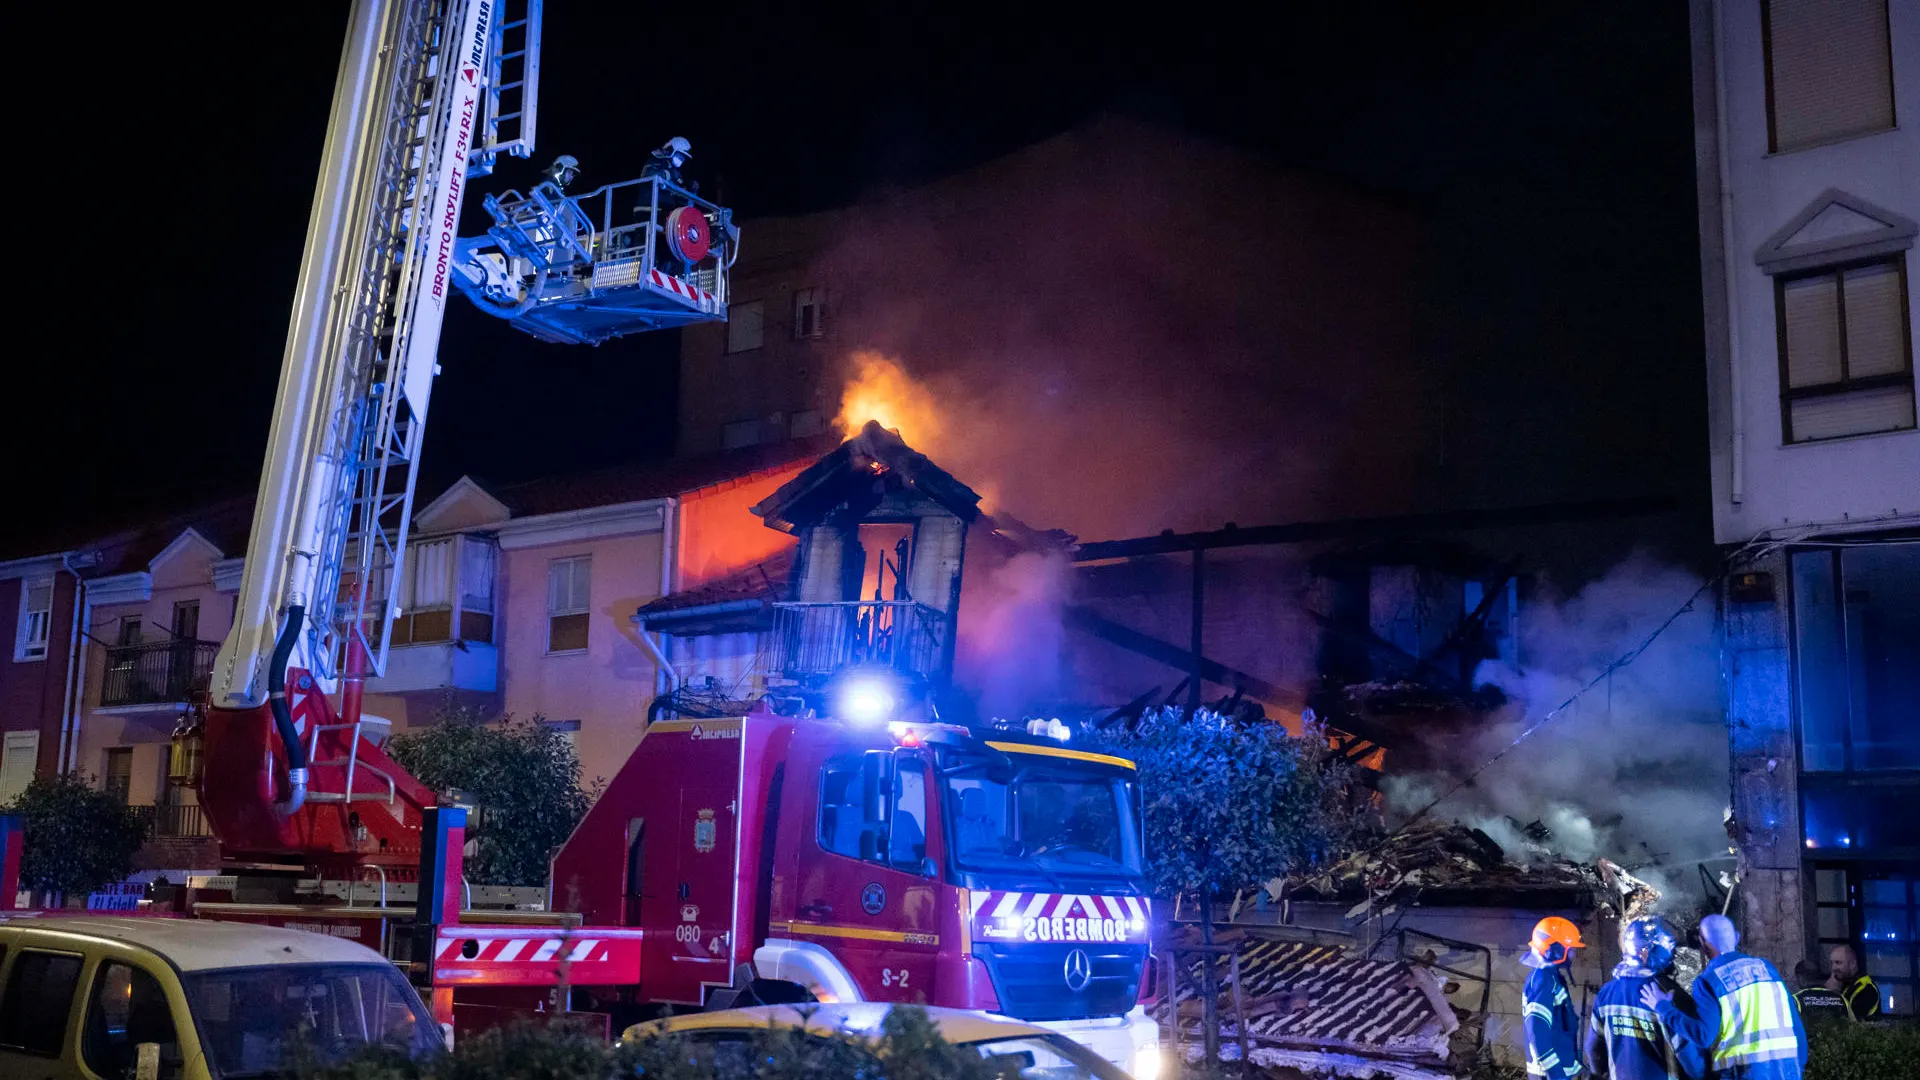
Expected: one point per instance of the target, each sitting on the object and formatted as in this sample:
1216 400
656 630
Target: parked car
154 998
1040 1053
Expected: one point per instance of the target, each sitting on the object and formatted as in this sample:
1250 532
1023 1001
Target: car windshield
1062 822
251 1019
1047 1057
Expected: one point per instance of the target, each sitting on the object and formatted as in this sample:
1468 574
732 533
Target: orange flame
880 389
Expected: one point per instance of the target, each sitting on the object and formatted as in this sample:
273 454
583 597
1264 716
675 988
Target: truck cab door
867 881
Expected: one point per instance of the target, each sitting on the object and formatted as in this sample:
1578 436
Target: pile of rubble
1430 856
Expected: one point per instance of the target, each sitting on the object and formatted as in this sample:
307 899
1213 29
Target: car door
131 1002
866 887
39 990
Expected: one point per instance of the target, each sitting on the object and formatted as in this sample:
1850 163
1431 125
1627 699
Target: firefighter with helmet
1625 1039
1746 1025
1552 1023
562 171
667 161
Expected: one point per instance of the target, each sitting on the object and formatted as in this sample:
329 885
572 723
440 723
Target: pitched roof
859 470
745 590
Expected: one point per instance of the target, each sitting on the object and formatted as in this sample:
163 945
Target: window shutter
476 575
1831 74
1813 331
433 574
1859 412
1876 334
581 569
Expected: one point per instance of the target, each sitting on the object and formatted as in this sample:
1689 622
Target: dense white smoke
1012 639
1635 770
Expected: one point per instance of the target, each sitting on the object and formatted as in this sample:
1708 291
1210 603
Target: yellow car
150 998
1038 1051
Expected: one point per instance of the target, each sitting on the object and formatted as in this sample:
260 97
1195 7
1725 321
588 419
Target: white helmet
677 149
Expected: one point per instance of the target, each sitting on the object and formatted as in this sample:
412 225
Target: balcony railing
822 638
164 672
175 819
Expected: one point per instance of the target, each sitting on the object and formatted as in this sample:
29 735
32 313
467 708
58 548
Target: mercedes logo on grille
1079 970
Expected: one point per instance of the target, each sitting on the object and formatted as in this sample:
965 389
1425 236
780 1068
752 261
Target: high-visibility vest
1756 1014
1862 987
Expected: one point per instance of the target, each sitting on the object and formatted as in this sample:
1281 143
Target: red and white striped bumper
519 956
1016 916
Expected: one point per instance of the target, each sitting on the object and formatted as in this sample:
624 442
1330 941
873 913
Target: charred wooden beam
1374 527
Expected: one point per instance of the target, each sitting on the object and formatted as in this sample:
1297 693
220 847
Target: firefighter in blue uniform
1625 1039
1552 1023
1747 1025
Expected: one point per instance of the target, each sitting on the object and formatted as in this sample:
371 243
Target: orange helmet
1554 938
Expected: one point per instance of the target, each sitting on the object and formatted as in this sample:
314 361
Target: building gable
1836 227
465 505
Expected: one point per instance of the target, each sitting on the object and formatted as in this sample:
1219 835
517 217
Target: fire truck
837 843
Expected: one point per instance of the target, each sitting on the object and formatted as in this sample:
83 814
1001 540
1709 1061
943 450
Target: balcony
163 673
823 638
167 820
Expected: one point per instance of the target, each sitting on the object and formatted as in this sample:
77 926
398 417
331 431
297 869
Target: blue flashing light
867 701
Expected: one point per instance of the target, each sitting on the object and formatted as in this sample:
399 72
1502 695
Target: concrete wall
608 686
1811 483
33 692
1765 767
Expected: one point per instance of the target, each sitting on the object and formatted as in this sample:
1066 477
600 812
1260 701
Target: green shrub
1884 1050
78 837
908 1048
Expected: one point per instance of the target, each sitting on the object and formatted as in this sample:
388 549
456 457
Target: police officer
1819 1004
1552 1023
1747 1027
1625 1039
1854 986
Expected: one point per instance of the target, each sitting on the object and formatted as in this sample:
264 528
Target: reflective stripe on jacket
1625 1039
1748 1025
1862 998
1552 1025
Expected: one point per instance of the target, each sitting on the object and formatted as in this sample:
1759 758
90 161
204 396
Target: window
33 1011
186 620
36 619
1846 351
17 756
842 795
120 773
1877 911
809 313
252 1019
438 573
126 1008
568 730
845 828
739 433
1829 70
1857 657
746 326
567 604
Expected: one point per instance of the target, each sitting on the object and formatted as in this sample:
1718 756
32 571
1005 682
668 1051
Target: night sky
1546 148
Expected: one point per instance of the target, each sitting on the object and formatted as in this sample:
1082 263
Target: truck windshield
1059 821
251 1020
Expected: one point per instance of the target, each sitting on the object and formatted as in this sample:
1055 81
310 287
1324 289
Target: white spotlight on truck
867 700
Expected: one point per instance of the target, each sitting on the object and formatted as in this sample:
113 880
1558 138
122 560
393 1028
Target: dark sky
1547 148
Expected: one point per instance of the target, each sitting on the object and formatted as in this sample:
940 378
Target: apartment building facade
1809 184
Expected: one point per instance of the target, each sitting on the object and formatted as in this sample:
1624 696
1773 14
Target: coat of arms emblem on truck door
706 832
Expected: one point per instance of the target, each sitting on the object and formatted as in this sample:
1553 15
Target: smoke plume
1635 770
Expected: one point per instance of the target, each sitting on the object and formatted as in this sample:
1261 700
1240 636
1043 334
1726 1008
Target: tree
1230 803
522 777
78 837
